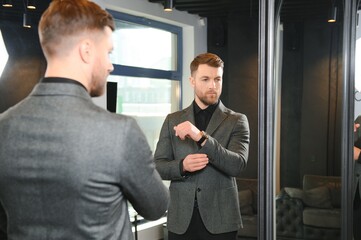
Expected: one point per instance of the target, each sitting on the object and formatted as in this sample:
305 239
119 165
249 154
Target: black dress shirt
203 116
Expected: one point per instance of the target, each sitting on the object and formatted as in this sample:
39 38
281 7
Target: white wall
194 34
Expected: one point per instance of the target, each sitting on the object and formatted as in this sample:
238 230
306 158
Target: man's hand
356 153
195 162
187 129
356 126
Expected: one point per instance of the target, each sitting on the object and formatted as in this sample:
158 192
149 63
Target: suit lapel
217 118
188 115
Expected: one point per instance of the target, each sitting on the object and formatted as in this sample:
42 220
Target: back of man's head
67 18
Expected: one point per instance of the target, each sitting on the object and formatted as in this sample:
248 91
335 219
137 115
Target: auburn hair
64 18
210 59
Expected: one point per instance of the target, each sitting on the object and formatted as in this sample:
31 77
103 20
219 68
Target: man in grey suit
68 167
202 149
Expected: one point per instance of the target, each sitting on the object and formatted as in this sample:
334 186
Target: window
358 63
357 95
357 77
3 53
147 61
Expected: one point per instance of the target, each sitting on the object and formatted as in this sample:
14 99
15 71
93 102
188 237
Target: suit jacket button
198 189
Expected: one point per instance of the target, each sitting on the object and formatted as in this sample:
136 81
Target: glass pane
148 101
358 74
357 134
358 62
309 82
143 46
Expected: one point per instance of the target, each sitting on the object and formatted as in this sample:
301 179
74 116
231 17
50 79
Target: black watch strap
203 138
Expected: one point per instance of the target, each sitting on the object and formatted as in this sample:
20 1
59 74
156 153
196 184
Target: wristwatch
203 138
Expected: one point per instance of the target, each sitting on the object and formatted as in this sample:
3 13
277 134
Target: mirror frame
266 87
266 99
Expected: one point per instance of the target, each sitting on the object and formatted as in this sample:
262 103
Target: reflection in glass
143 46
357 113
358 62
4 54
148 101
309 79
358 71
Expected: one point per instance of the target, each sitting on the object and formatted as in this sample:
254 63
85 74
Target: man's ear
192 81
85 51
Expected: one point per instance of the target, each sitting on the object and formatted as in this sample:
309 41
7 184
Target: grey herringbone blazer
68 168
215 185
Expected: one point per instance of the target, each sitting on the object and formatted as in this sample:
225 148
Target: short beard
207 102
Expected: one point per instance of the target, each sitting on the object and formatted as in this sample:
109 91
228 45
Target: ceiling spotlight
332 15
7 3
168 5
31 4
26 21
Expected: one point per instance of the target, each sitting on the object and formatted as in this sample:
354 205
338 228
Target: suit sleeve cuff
182 173
359 158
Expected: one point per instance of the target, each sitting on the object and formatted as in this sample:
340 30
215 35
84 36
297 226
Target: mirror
308 117
357 134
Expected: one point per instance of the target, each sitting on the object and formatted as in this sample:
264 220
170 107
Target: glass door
306 119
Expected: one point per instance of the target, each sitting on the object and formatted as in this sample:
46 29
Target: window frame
132 71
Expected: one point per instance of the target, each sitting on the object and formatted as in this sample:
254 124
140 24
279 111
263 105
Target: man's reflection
201 149
357 173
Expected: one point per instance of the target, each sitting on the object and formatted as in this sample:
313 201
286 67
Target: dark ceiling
15 13
291 9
